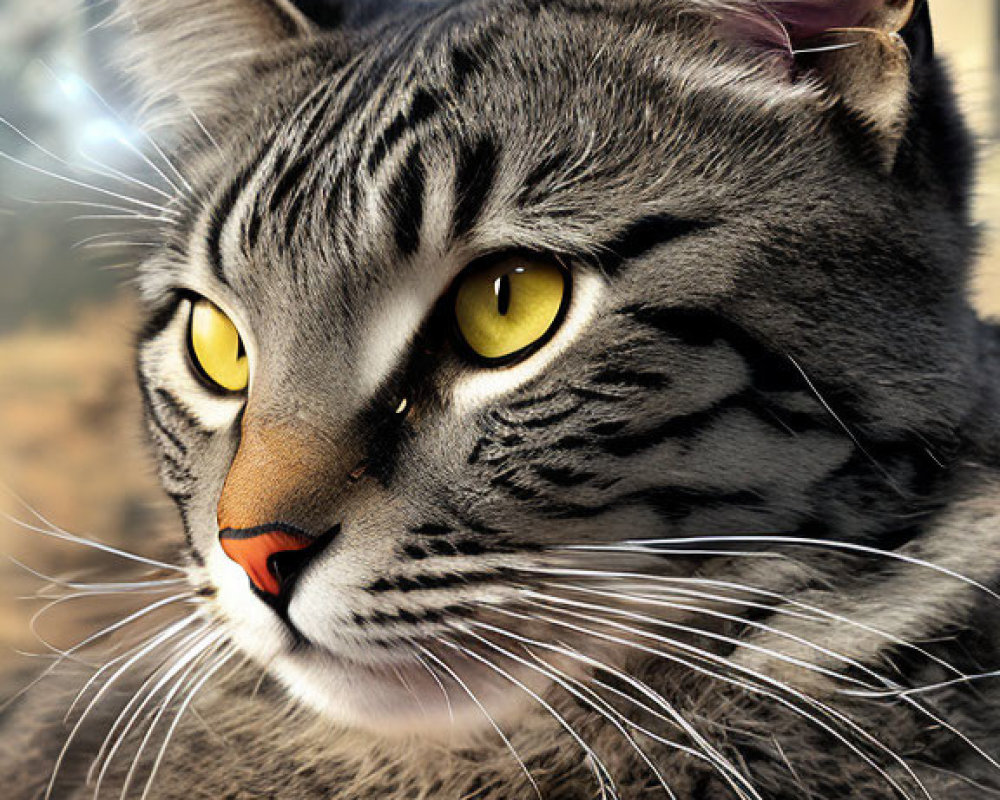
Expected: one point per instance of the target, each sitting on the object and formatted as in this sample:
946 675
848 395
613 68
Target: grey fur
778 343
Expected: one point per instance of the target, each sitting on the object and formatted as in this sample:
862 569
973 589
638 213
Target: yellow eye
216 347
506 309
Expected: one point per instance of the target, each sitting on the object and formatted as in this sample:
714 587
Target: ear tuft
861 51
780 26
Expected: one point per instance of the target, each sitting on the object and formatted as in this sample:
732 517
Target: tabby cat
564 399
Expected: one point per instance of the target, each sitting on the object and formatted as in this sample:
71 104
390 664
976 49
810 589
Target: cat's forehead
448 143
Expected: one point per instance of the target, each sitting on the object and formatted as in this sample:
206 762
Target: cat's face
454 294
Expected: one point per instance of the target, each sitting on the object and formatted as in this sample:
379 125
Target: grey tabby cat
568 399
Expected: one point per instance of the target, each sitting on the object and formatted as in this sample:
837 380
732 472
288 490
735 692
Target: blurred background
70 442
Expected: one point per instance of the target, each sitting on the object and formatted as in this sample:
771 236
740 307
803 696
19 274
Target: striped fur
769 368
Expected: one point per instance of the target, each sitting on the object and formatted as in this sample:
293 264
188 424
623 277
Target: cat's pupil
502 288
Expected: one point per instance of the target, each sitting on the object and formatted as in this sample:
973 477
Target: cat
563 399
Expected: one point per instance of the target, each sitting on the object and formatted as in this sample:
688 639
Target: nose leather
255 549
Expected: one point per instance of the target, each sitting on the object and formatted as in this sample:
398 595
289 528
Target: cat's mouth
392 677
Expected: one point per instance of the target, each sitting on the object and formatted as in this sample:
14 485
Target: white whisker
188 663
811 612
87 641
113 175
499 731
441 686
735 642
663 547
583 694
140 699
62 535
149 647
131 147
846 428
760 677
79 184
601 771
117 585
178 716
736 780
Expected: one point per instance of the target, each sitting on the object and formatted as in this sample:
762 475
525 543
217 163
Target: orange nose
255 549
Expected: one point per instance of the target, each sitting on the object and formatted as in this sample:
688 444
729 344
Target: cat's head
470 283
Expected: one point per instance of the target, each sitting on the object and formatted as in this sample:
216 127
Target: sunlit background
70 443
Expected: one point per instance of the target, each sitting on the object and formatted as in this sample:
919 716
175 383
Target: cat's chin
402 696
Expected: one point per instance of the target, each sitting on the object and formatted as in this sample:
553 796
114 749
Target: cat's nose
271 555
285 475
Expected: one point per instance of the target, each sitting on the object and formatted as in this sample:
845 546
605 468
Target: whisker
147 648
132 656
409 689
97 237
663 547
499 731
62 535
441 686
927 689
736 642
178 655
107 217
736 780
581 694
87 641
690 751
73 167
744 684
846 428
141 698
179 714
127 144
201 126
79 184
166 215
53 604
188 663
898 692
812 612
119 245
604 778
118 585
125 177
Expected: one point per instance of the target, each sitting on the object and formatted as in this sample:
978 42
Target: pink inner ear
784 24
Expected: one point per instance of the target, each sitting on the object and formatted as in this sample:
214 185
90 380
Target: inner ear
188 56
860 51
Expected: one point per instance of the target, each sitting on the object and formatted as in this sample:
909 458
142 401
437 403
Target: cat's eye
216 347
507 309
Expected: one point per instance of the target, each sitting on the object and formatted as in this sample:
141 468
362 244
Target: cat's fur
771 337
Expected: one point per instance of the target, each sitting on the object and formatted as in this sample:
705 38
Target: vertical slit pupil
502 289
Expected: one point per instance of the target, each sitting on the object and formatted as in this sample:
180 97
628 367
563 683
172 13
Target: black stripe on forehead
643 236
475 175
422 107
223 207
406 198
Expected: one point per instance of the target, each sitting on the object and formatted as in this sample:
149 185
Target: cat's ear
187 55
863 52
